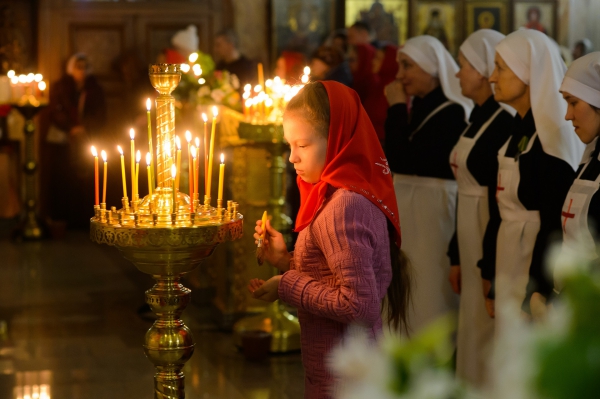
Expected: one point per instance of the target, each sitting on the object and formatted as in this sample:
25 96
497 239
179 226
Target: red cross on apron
567 215
499 186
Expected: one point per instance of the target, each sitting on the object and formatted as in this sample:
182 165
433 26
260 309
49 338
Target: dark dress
245 69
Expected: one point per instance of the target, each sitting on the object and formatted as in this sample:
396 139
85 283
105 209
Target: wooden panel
101 43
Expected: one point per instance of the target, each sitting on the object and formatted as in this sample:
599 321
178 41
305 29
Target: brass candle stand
166 236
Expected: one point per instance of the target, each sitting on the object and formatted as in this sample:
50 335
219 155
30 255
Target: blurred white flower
217 95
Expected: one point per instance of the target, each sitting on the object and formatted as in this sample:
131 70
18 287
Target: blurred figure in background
385 68
290 66
328 63
73 121
582 47
229 58
360 33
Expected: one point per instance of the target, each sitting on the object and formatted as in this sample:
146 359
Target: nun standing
474 161
417 147
536 168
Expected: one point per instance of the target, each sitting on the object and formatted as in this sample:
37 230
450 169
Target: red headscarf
389 66
355 160
363 77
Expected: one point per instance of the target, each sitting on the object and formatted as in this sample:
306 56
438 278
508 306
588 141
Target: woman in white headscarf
536 168
417 147
474 161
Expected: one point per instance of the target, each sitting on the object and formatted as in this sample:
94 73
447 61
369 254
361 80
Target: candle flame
215 111
193 151
249 103
103 153
188 136
132 133
173 171
247 87
222 158
201 81
38 77
307 70
304 79
42 85
178 142
204 117
14 80
257 88
94 152
148 158
197 69
120 149
197 142
193 57
185 68
10 74
148 104
269 83
138 156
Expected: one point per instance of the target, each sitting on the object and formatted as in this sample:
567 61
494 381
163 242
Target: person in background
290 66
361 64
328 63
384 67
360 33
339 40
74 120
229 58
582 47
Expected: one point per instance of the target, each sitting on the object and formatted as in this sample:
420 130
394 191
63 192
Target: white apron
427 208
475 326
516 239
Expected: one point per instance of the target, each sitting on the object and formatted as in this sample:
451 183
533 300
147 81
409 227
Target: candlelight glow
269 102
185 68
148 104
246 95
148 158
138 156
249 103
222 158
188 136
277 80
269 83
10 74
197 142
173 171
257 88
215 110
193 57
168 148
103 153
30 77
307 70
14 80
193 151
42 85
247 87
22 79
304 79
38 77
120 149
94 152
201 81
132 133
178 142
197 70
204 117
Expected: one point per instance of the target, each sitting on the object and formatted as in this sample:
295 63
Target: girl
418 147
347 253
474 161
536 166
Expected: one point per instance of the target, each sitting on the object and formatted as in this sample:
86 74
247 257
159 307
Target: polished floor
69 327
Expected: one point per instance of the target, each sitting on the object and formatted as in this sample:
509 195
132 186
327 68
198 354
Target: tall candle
123 171
132 136
188 138
138 158
149 172
148 107
195 167
211 151
105 169
178 144
261 76
205 119
96 183
173 175
221 177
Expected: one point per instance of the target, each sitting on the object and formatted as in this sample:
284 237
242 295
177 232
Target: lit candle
178 144
138 158
247 107
96 182
205 119
221 176
123 171
148 107
197 168
105 169
261 76
173 175
149 172
194 168
132 136
212 150
188 138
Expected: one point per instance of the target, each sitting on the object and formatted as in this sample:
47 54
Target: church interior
130 268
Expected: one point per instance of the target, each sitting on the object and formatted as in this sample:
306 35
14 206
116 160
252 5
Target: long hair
312 104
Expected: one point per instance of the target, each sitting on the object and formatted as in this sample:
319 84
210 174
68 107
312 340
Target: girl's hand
265 290
394 92
274 249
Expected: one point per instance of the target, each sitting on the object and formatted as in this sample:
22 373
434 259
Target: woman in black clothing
536 168
417 147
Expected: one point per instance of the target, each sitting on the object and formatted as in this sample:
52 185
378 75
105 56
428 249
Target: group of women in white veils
487 172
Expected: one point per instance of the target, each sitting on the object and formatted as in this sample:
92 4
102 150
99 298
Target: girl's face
585 119
415 80
471 81
508 87
308 148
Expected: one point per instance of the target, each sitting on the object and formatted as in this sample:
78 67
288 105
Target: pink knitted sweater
339 274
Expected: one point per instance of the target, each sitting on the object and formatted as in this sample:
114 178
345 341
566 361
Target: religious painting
538 15
388 18
18 33
487 15
300 25
438 19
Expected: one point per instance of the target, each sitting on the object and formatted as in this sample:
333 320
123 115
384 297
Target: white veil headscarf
73 61
536 61
480 49
431 55
583 79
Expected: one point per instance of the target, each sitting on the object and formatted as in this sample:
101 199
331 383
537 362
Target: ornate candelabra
164 236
